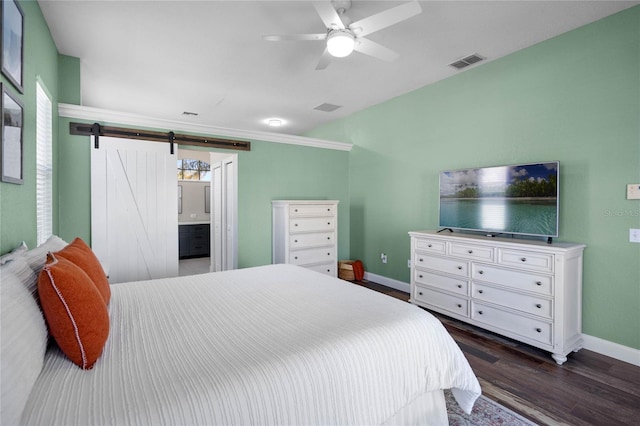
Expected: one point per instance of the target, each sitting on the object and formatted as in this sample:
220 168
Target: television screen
516 199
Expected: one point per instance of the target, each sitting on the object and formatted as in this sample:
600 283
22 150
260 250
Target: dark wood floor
588 389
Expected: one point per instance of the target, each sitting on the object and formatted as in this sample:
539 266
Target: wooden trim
79 112
168 137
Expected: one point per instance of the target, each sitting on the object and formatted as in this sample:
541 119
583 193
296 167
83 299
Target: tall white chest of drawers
305 233
529 291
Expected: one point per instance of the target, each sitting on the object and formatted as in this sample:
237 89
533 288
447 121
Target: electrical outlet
633 191
634 235
409 263
383 257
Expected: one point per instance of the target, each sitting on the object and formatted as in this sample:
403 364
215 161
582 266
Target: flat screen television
518 199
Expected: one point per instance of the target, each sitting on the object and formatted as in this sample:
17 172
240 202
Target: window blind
44 164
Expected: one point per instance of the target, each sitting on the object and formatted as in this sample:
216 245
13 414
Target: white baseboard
388 282
595 344
611 349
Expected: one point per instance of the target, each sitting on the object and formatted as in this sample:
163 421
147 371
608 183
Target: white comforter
277 344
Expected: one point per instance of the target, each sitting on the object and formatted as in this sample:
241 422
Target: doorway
215 208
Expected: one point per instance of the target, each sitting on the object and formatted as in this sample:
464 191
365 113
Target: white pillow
22 347
15 253
37 257
21 269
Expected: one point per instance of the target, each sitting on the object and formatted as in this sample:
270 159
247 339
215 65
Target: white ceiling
161 58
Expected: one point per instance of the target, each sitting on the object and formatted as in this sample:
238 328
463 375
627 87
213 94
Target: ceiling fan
343 36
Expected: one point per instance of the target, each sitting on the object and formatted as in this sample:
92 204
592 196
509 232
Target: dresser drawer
539 306
447 302
450 266
317 255
199 247
318 239
473 252
526 260
537 330
431 246
537 283
311 224
325 268
444 283
312 210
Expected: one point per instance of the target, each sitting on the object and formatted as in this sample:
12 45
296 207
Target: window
194 170
44 164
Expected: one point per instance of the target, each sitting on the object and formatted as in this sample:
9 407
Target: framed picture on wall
11 137
12 42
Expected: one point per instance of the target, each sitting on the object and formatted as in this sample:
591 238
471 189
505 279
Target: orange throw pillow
75 311
81 254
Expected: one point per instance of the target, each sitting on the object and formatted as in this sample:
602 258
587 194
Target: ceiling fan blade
328 15
295 37
374 49
385 19
325 60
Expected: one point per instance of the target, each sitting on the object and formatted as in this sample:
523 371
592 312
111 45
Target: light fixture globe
340 43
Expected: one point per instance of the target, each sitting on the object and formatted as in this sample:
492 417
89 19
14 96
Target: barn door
224 214
134 219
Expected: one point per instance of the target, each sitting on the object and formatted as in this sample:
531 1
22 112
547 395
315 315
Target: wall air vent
327 107
466 61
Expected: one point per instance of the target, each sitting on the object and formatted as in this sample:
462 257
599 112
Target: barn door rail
97 130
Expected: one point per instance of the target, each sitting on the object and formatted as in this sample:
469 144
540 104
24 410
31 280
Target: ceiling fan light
340 43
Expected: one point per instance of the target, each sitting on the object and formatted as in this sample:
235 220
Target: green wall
574 98
18 202
269 171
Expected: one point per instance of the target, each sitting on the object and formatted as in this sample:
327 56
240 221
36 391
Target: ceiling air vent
327 107
466 61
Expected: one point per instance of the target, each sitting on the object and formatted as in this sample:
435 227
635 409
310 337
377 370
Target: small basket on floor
345 270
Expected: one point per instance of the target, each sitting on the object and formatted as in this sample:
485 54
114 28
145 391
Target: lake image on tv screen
508 199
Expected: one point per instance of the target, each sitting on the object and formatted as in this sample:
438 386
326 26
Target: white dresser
305 233
527 290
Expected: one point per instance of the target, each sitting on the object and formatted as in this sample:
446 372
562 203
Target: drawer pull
420 260
460 268
459 285
295 241
480 291
470 251
480 312
538 282
295 224
481 272
459 305
420 293
328 254
296 257
328 238
419 276
328 223
429 245
539 330
524 259
538 305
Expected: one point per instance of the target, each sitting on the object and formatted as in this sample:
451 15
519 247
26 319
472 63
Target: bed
275 344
